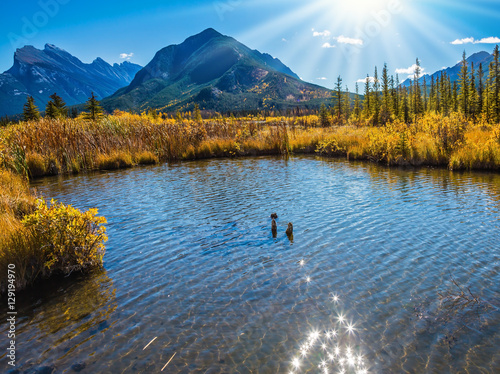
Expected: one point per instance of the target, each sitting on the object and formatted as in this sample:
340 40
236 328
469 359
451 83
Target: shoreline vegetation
444 125
48 147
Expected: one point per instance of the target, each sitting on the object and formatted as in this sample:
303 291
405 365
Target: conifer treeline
56 108
473 95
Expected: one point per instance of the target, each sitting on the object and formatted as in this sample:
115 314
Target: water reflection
197 275
64 310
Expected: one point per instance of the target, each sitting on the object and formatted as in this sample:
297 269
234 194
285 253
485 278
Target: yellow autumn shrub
70 240
52 239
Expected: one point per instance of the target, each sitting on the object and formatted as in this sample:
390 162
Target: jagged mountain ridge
40 73
219 73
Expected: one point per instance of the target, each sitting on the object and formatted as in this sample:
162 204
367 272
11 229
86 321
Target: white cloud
410 70
463 41
284 40
322 79
324 34
327 45
363 80
127 56
345 40
489 40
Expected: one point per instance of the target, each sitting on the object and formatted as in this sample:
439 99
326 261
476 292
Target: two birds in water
274 226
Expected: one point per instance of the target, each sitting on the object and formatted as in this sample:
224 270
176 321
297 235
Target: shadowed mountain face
483 58
217 72
40 73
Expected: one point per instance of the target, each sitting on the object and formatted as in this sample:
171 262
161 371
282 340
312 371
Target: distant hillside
218 73
40 73
453 72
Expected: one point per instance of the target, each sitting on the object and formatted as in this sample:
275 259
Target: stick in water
169 361
149 343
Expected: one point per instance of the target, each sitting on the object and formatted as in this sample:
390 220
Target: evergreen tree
376 97
386 97
357 107
433 96
338 96
463 96
480 89
496 86
473 96
425 96
347 104
396 100
405 107
94 109
60 105
323 116
489 96
50 110
56 107
454 96
30 110
443 91
417 94
367 103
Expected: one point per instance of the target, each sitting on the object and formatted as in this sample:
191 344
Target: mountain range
40 73
453 72
213 70
217 72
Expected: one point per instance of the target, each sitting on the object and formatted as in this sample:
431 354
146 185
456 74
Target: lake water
195 282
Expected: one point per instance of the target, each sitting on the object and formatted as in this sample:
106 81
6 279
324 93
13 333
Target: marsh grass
68 146
42 240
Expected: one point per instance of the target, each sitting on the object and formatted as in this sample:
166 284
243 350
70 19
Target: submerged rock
45 370
78 367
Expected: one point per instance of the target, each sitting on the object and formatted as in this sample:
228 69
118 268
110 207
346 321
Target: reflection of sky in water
192 262
331 349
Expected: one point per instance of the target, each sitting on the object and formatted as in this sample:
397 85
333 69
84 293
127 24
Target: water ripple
192 262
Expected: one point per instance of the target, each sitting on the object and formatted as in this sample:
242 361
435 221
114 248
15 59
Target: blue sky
317 39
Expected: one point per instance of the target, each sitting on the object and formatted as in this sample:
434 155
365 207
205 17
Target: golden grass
16 199
49 147
146 158
39 240
113 161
